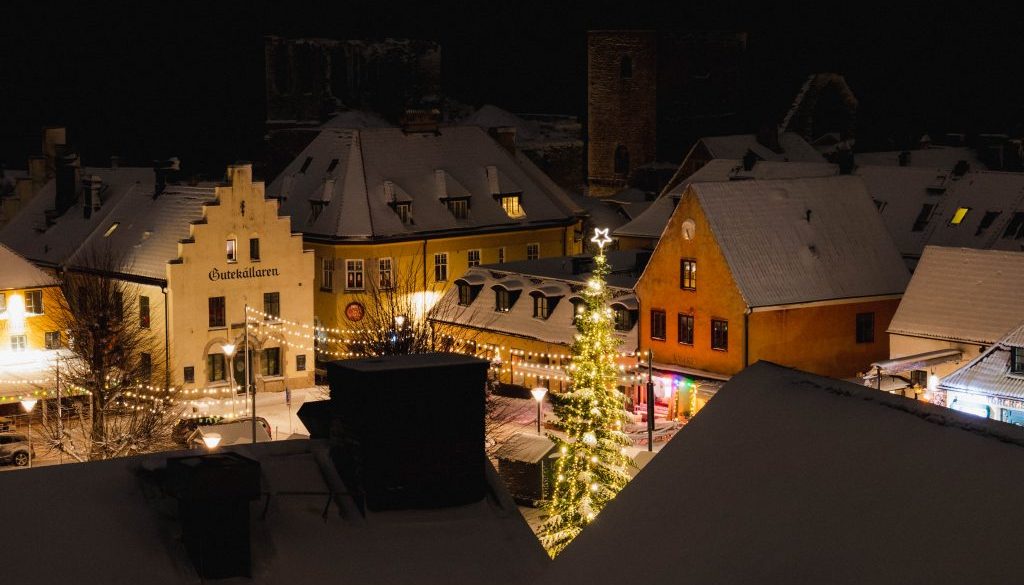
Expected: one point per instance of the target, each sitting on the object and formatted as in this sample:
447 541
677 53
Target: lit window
18 343
327 274
502 300
111 229
720 334
512 206
441 267
232 250
34 302
959 215
272 306
385 277
354 274
532 251
688 274
474 257
658 324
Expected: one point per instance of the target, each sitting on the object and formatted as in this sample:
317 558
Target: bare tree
115 361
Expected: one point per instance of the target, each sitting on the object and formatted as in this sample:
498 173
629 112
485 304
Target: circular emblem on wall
689 227
355 311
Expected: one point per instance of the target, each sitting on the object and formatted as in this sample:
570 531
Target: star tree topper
601 238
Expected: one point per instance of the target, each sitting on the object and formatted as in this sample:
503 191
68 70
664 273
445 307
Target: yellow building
799 272
410 209
197 255
29 339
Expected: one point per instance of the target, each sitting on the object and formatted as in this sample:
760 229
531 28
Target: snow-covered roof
364 171
18 272
794 147
119 528
935 157
525 447
962 294
788 477
989 373
356 119
802 240
552 277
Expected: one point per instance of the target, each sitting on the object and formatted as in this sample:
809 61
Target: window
459 208
354 274
145 366
512 206
441 267
865 327
217 318
52 340
542 306
404 211
720 334
306 163
3 302
385 277
232 250
986 221
959 216
270 364
34 302
300 363
923 217
474 257
919 378
1017 360
688 274
532 251
272 306
658 324
685 333
215 371
502 300
254 249
144 312
626 67
465 295
18 343
621 160
501 255
189 375
578 308
1015 229
327 274
623 319
333 165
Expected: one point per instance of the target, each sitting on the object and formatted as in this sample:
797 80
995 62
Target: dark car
14 448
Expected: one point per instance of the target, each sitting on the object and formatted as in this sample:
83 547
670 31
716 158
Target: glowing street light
211 440
28 404
229 352
538 395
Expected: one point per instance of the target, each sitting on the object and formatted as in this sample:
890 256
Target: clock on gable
689 227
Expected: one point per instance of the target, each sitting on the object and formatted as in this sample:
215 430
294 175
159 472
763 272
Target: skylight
111 229
959 216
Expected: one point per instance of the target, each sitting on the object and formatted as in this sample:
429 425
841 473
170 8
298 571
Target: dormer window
1017 360
404 211
624 319
512 205
459 208
465 295
542 306
502 300
305 164
469 288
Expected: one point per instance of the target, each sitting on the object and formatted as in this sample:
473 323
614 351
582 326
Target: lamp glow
400 321
16 314
229 349
28 404
211 440
539 393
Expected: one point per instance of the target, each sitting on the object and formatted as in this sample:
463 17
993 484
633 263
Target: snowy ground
283 418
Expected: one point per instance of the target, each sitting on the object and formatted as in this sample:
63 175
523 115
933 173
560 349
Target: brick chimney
164 171
505 136
67 179
92 187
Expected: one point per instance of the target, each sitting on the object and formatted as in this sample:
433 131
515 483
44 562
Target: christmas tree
591 468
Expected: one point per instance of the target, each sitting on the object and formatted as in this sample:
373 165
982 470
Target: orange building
799 272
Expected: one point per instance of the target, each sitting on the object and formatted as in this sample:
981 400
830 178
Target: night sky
147 80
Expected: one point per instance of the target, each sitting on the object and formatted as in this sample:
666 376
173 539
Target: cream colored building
199 254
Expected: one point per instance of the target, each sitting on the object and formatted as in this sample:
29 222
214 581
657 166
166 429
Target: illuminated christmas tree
592 466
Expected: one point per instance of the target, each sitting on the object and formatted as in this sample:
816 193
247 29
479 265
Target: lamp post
229 352
28 404
538 395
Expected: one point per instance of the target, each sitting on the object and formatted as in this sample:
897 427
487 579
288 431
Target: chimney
844 158
505 136
399 465
749 160
165 170
67 173
213 493
768 137
92 186
904 158
54 137
421 121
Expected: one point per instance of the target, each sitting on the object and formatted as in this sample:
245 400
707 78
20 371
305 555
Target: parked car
232 432
6 424
14 448
184 428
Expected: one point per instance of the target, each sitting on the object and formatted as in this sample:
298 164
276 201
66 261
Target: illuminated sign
239 273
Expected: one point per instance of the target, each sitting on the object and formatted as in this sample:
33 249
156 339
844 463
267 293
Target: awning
694 372
918 361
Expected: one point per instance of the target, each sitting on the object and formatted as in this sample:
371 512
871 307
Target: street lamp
538 395
211 440
28 404
229 352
